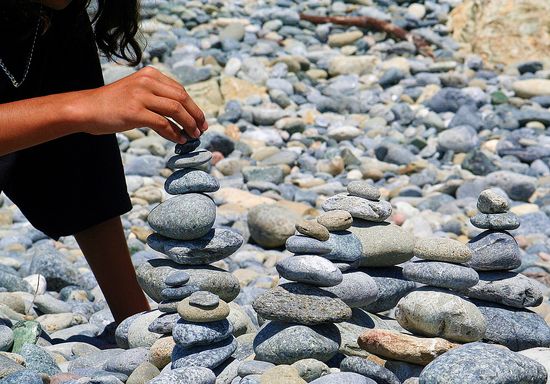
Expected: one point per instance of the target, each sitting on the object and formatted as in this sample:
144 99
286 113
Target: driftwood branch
375 24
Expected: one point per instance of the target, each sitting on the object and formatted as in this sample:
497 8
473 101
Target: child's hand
143 99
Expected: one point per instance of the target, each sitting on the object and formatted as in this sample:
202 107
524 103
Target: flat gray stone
301 303
204 299
184 217
6 338
338 220
283 343
209 356
440 274
310 269
177 279
189 146
188 334
186 375
496 221
254 367
127 361
356 290
8 367
363 189
38 360
345 247
190 159
215 245
517 329
392 286
151 276
482 363
311 369
507 288
178 293
22 377
343 377
438 313
368 369
359 207
164 324
490 201
494 251
190 180
442 249
307 245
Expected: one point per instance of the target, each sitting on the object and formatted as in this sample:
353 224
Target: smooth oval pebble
202 315
184 217
209 356
178 293
440 274
307 245
337 220
493 251
313 229
363 189
441 249
343 377
177 279
490 201
188 334
496 221
190 180
189 146
204 299
308 269
190 160
358 207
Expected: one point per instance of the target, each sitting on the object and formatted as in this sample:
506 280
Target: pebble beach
363 209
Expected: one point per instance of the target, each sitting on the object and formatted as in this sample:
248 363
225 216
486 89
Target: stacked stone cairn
322 283
502 295
193 294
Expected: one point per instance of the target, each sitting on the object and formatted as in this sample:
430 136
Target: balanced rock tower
193 294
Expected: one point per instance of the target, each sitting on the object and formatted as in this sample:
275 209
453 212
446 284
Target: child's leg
106 251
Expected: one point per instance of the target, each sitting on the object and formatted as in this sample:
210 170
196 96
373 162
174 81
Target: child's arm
143 99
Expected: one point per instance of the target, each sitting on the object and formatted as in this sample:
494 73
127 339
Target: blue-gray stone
392 286
496 221
482 363
441 274
52 264
22 377
254 367
209 356
121 332
189 160
127 361
272 174
6 338
177 279
38 360
188 334
189 146
147 165
343 377
184 217
310 269
204 299
164 324
13 283
286 343
493 251
307 245
506 288
186 375
459 139
344 247
357 289
178 293
190 180
368 369
359 207
517 329
449 100
215 245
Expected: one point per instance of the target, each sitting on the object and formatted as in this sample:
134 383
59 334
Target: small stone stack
185 282
503 295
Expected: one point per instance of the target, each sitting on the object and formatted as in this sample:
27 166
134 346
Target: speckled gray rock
363 189
151 276
383 244
184 217
187 375
216 245
337 220
254 367
433 312
312 229
392 286
283 343
442 249
359 207
177 279
368 369
271 225
52 264
493 251
507 288
127 361
138 332
95 360
440 274
490 201
311 369
517 329
6 338
517 186
188 334
482 363
343 377
190 159
307 245
301 303
8 366
164 324
356 290
22 377
344 247
496 221
190 180
143 374
309 269
178 293
38 360
204 299
209 356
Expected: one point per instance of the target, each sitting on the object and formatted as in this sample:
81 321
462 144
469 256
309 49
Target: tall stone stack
502 295
185 282
325 282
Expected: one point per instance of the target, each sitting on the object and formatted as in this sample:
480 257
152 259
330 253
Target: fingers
174 110
169 88
164 127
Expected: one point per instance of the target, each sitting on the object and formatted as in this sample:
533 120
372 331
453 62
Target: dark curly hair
116 24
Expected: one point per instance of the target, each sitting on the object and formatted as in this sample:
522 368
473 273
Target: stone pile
185 282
